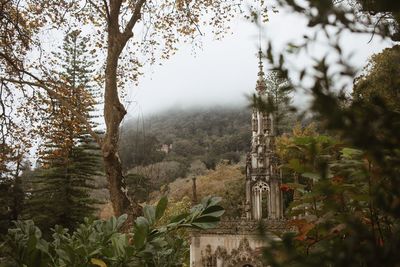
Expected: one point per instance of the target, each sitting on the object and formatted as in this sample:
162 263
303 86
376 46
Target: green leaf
350 152
179 217
112 223
149 213
119 242
210 201
121 220
215 211
295 165
161 207
141 229
205 225
196 210
206 219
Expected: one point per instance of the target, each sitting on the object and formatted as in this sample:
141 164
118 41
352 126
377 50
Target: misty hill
176 143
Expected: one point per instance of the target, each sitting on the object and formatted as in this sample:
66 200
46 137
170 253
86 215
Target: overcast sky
222 72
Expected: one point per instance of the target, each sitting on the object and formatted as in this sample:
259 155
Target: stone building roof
249 227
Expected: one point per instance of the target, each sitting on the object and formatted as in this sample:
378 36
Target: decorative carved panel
244 255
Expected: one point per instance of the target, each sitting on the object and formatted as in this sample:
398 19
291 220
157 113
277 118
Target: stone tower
263 179
236 242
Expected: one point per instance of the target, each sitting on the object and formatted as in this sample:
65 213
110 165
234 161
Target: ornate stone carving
261 186
220 253
208 258
243 255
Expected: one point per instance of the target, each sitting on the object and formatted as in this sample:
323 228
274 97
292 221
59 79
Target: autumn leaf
98 262
303 227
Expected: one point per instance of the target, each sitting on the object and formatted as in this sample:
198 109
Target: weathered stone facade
263 178
229 250
237 242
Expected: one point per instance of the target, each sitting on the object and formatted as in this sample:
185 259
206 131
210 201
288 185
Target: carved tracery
244 255
261 186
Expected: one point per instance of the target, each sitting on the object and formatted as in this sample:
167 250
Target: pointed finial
261 86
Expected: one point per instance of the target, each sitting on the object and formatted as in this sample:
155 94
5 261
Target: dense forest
208 135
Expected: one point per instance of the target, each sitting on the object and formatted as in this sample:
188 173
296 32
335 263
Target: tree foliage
69 158
349 214
101 243
12 193
380 79
139 148
124 34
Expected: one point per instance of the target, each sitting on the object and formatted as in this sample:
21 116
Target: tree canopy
123 35
381 79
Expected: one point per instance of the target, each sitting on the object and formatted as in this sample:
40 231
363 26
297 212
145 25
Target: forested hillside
174 143
159 149
206 134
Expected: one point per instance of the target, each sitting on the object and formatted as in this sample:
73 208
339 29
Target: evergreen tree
11 192
69 160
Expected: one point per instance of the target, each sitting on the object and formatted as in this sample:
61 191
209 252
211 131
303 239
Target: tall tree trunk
114 112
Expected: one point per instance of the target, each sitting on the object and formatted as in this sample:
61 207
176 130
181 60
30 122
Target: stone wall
234 243
210 250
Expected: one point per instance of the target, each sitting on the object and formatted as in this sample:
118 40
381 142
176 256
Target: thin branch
189 15
107 10
135 17
375 26
106 15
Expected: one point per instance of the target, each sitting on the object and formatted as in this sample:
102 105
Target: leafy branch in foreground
350 208
100 243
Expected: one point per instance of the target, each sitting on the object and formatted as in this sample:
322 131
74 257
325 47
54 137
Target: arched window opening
261 200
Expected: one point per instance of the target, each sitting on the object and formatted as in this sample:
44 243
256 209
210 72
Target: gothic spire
260 86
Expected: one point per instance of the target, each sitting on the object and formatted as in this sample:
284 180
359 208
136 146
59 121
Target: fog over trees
130 191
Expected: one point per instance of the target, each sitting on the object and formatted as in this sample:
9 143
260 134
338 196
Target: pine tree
69 159
11 192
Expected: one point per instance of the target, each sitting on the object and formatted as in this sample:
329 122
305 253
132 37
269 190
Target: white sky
222 72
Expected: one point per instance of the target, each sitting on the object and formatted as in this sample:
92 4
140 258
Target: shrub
101 243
